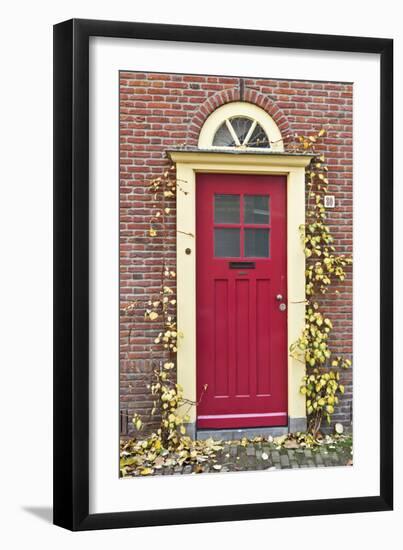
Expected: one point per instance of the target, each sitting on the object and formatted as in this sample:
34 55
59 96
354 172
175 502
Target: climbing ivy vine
322 382
169 445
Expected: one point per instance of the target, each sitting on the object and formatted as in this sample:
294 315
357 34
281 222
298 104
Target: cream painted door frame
188 164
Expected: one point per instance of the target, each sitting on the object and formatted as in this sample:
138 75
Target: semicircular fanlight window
241 131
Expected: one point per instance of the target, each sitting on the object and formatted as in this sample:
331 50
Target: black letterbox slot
242 265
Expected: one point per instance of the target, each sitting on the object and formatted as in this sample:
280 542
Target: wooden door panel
221 339
263 337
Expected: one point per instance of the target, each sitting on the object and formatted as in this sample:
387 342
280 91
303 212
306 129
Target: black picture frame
71 274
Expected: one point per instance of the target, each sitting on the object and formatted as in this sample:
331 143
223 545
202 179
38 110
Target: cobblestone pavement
264 456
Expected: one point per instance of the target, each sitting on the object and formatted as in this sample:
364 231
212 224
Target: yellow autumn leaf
146 471
137 422
153 315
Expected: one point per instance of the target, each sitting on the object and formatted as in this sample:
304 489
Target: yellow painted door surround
188 164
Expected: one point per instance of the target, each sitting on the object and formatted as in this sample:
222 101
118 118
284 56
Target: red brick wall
163 111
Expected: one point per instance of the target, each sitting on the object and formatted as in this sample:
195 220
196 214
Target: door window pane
226 209
226 243
223 137
257 243
256 209
241 126
258 138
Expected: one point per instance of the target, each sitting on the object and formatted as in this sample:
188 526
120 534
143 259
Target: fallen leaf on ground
291 444
146 471
280 439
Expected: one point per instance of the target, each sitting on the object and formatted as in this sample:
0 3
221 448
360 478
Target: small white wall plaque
329 201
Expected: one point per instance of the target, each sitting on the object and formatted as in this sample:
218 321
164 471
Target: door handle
279 297
282 306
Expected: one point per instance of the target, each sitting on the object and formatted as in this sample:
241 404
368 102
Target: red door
241 296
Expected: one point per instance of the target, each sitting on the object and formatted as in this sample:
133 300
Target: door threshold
250 433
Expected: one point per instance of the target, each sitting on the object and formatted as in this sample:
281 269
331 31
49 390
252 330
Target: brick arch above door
229 95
